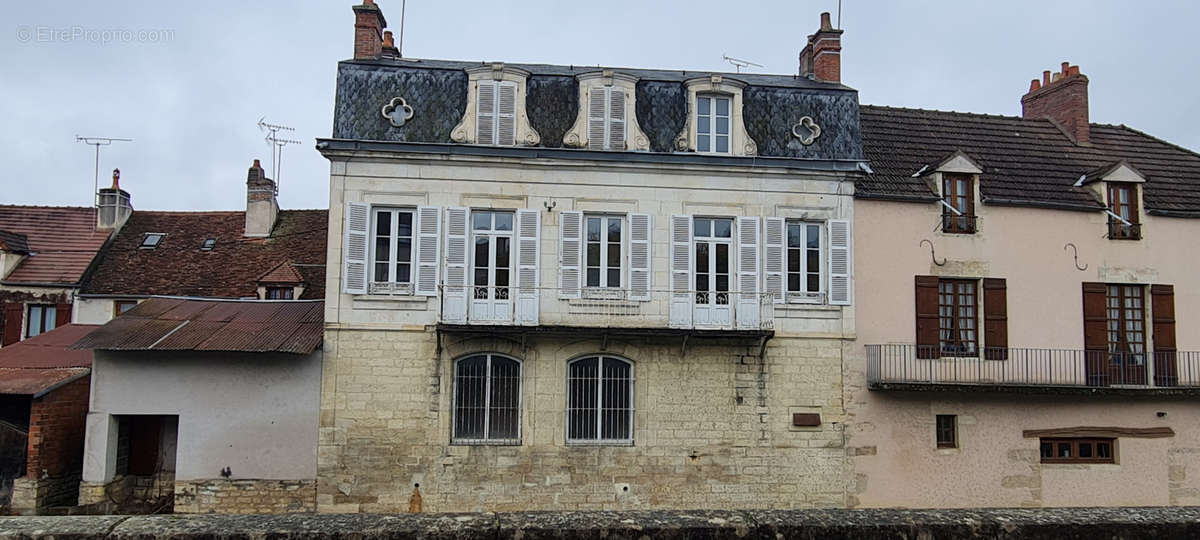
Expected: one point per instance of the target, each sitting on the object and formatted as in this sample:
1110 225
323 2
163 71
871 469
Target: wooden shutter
616 119
529 237
354 252
597 116
454 283
1162 307
62 315
485 113
570 249
774 241
429 234
681 271
1095 333
506 114
928 321
749 236
841 263
14 314
995 319
640 235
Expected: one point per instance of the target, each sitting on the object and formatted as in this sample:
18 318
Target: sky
189 81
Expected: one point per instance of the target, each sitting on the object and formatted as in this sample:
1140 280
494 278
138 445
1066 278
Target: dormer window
495 112
1123 223
712 123
958 208
715 118
607 119
151 240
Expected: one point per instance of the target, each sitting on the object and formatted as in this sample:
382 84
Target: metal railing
956 224
1124 231
606 307
1012 366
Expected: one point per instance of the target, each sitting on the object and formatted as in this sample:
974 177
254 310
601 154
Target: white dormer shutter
454 284
616 119
529 237
354 251
748 302
485 113
774 240
506 114
597 116
429 232
681 271
640 232
841 263
570 248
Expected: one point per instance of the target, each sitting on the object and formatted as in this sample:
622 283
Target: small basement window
151 240
1079 450
947 431
208 244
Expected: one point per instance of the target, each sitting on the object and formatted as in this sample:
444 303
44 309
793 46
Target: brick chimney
113 206
1063 98
368 30
821 59
261 207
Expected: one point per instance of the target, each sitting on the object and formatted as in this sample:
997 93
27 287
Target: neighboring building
565 287
45 253
263 252
43 406
1032 288
205 406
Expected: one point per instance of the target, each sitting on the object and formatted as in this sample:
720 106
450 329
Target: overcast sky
188 81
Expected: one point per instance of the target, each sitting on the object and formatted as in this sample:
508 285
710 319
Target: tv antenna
738 63
98 142
277 143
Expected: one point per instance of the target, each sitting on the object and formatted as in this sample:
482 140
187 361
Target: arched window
487 400
600 400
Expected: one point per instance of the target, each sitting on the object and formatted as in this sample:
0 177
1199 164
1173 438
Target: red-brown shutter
995 319
13 313
1162 307
62 315
928 322
1095 332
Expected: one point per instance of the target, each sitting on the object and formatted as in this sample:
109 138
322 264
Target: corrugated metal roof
37 382
49 350
185 324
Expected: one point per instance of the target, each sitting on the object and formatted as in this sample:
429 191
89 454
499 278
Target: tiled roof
283 272
1024 161
178 266
187 324
14 242
49 350
37 382
63 240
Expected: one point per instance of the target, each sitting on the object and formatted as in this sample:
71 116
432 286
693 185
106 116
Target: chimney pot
388 41
116 179
1034 85
256 165
1046 78
825 23
1074 70
1066 68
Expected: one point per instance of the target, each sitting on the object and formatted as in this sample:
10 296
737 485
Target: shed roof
37 382
49 350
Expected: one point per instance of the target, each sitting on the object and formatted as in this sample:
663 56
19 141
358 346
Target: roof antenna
97 142
277 145
839 24
400 46
738 63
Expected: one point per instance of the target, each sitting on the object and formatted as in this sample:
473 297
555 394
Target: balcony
1124 231
956 224
1022 370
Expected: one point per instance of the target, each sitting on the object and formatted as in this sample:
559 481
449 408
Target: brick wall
712 428
55 452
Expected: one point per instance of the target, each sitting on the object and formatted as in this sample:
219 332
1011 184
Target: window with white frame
804 258
712 123
603 251
392 249
712 242
600 400
487 400
492 234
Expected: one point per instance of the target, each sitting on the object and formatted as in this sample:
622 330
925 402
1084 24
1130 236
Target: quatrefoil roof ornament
807 130
397 111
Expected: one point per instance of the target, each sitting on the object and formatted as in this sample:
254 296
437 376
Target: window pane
403 273
793 256
405 228
1103 450
723 228
614 230
702 144
703 106
582 407
504 221
614 255
502 251
814 236
814 261
1047 450
383 223
501 281
701 258
593 254
722 106
593 277
614 277
381 272
481 251
722 258
1085 450
33 326
722 125
722 143
593 229
481 221
702 125
794 282
795 235
814 282
703 227
1064 450
404 249
722 282
701 282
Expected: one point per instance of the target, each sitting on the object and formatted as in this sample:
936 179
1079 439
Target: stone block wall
223 496
712 427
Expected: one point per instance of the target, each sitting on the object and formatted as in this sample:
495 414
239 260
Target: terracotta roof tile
62 239
37 382
14 242
232 269
283 272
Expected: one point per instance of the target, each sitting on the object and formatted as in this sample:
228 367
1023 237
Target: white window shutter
570 253
506 114
748 302
429 234
485 113
841 263
682 295
354 250
597 115
529 237
616 119
774 240
454 284
640 234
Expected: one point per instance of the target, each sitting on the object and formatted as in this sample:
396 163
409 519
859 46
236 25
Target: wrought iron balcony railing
908 365
1124 231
